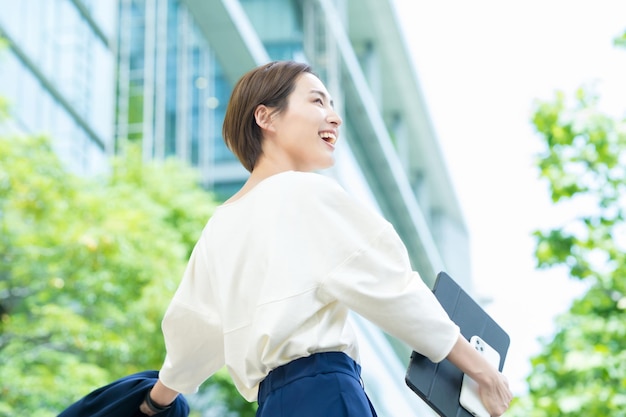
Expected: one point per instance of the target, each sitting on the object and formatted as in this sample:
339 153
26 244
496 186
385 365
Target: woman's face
304 134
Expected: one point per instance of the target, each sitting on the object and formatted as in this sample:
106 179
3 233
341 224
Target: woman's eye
319 100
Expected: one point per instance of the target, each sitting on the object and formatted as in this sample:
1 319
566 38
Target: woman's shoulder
320 192
287 189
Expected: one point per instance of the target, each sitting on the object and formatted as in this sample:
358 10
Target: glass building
95 74
58 74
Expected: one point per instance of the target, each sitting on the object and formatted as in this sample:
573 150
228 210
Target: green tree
582 370
88 266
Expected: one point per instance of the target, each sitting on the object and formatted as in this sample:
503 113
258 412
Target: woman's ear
263 117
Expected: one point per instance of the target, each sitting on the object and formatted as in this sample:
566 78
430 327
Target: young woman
270 283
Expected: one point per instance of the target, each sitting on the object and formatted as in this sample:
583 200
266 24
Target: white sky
481 65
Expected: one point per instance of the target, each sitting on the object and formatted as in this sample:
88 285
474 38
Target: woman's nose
334 118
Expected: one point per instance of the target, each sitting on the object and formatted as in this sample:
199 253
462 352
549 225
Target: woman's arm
493 386
161 396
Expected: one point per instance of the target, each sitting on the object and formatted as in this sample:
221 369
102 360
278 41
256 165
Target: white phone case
469 399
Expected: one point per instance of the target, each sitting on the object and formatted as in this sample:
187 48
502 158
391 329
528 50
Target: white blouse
272 279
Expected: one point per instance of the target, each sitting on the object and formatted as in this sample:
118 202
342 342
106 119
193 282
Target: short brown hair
268 85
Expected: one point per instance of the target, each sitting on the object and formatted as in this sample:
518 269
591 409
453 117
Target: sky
482 64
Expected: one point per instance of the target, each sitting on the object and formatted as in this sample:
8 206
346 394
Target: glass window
62 49
103 13
101 91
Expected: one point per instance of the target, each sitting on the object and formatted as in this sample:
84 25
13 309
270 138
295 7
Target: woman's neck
263 169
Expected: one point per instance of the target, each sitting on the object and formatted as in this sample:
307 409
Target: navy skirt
320 385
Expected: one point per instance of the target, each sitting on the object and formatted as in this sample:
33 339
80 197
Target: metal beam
229 32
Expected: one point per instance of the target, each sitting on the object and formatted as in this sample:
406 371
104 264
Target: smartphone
469 398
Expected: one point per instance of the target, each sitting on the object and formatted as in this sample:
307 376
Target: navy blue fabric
321 385
122 398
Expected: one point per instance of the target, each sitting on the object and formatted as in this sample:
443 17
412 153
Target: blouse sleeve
192 329
374 278
378 283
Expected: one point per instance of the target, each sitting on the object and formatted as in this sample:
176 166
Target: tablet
439 384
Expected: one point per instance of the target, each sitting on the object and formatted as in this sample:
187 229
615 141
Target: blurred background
483 67
490 134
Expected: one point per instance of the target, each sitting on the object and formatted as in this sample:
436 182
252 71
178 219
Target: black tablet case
439 384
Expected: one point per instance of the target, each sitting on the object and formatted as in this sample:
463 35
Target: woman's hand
495 394
493 387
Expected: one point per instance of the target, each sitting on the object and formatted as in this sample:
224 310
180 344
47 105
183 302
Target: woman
277 268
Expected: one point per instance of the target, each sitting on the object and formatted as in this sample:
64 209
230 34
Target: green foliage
621 41
582 370
222 399
4 112
88 266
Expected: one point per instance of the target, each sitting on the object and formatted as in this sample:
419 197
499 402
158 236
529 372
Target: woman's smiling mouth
329 137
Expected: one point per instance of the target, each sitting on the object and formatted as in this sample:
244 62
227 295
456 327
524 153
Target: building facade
96 74
58 75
